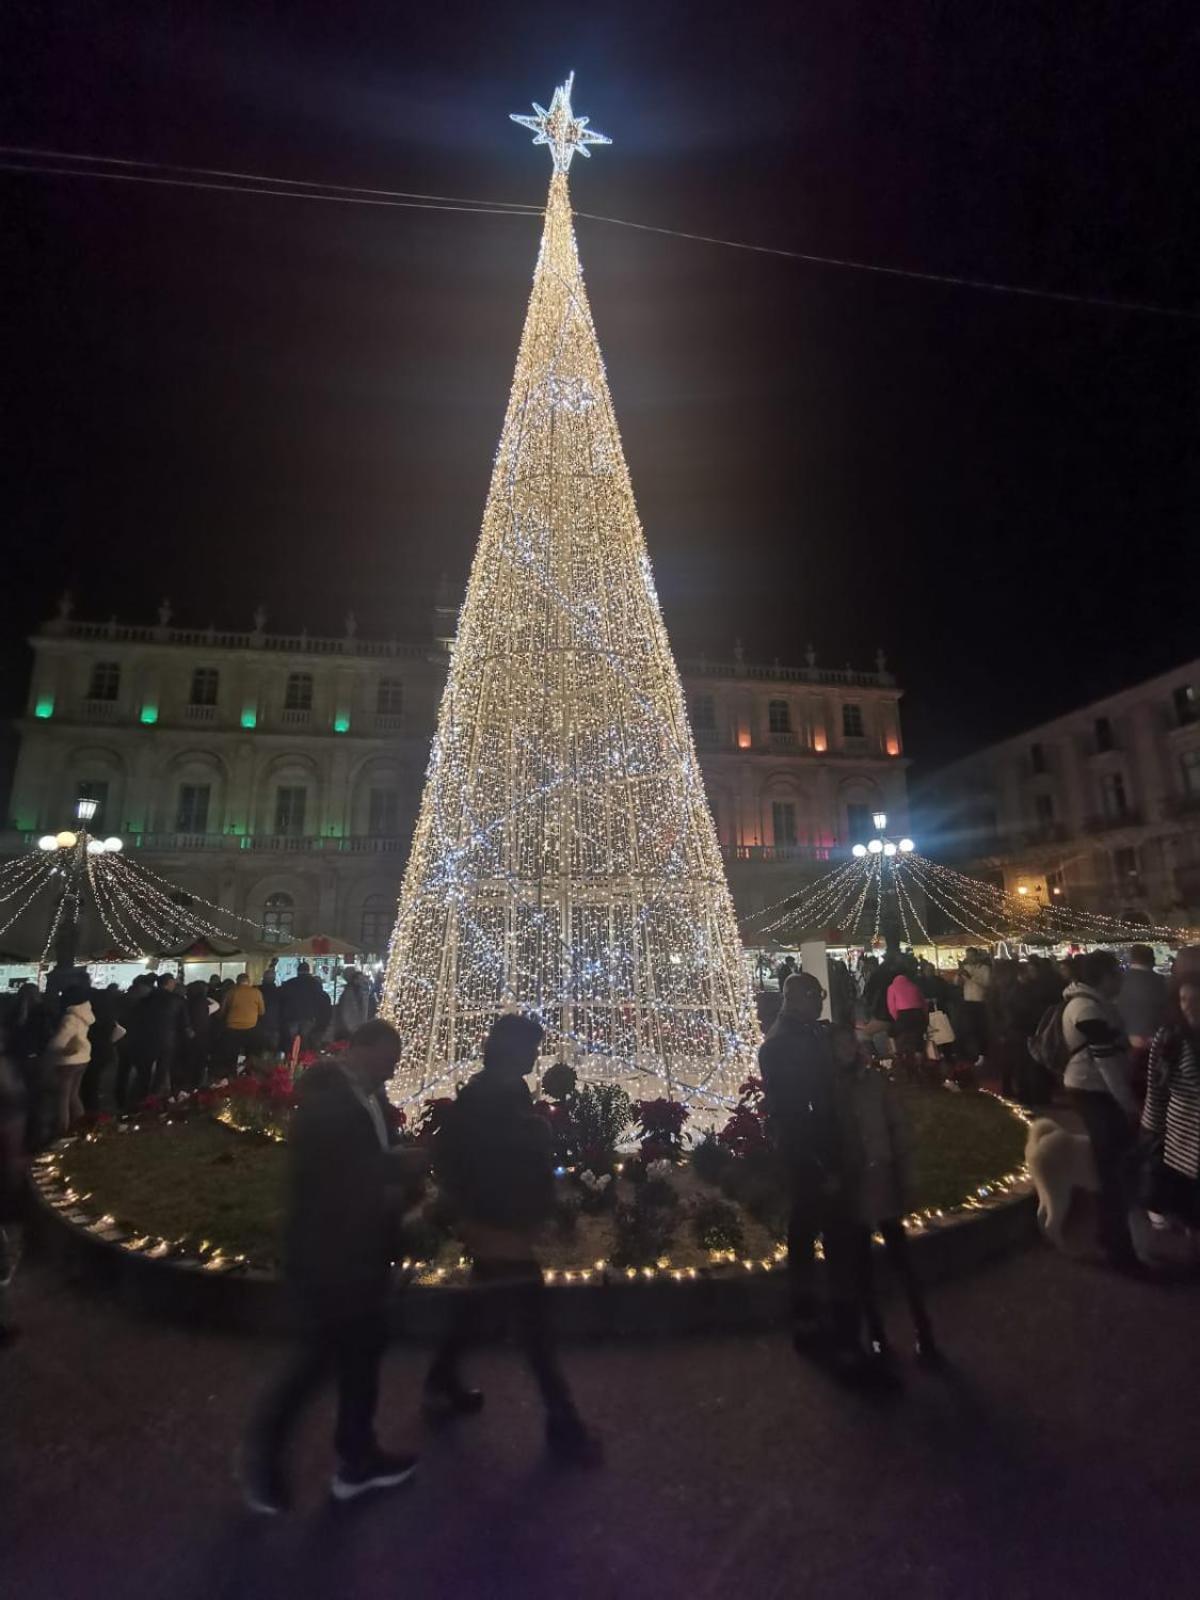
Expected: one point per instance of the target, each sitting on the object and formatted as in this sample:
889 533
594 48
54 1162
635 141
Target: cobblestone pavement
1058 1456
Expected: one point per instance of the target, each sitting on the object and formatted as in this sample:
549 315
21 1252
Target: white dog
1059 1162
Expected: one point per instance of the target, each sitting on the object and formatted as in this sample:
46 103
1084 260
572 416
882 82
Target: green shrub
600 1114
710 1158
717 1226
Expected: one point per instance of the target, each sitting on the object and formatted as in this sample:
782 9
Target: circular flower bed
202 1176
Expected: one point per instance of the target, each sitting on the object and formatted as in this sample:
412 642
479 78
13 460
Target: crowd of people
834 1120
78 1049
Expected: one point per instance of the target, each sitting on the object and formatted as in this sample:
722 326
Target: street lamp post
73 849
887 848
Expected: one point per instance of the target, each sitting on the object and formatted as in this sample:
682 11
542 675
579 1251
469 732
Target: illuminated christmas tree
565 860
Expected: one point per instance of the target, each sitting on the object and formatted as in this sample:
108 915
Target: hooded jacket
69 1045
354 1005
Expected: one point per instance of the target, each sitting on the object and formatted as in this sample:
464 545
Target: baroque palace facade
279 776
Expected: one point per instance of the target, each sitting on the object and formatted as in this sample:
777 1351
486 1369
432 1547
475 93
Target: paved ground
1059 1457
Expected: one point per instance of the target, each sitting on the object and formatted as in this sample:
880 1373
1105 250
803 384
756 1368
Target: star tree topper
560 128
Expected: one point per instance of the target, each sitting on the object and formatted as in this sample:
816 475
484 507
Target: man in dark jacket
796 1063
495 1162
304 1009
345 1176
157 1029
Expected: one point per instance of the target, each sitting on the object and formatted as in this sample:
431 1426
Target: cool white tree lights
565 860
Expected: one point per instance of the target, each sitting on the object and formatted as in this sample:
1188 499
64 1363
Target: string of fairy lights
851 900
565 859
141 912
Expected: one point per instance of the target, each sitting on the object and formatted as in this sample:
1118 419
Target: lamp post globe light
73 850
884 848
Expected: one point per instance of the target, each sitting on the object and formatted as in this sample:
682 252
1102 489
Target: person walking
157 1038
1171 1114
1098 1083
337 1255
242 1010
355 1004
796 1064
200 1011
494 1158
877 1160
304 1009
67 1056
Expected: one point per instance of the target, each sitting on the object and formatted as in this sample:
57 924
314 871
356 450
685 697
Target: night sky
228 399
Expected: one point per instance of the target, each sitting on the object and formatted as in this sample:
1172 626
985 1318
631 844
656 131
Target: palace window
383 811
389 697
298 695
279 918
1037 758
205 683
376 927
704 713
783 822
191 815
1103 730
779 717
290 801
1113 801
1189 762
1186 701
1043 806
105 682
859 826
852 722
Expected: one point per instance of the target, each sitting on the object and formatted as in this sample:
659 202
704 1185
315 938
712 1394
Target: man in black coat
495 1163
796 1063
304 1009
345 1183
157 1035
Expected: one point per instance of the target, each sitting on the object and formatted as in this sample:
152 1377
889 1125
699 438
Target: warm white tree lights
565 860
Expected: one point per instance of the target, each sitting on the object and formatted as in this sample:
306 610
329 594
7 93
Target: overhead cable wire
349 194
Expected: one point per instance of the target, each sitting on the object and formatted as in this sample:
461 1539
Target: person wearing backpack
1097 1076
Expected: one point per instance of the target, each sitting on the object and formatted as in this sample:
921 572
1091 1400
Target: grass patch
189 1180
960 1141
198 1180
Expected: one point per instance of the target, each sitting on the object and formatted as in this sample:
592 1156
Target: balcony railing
182 841
100 710
782 739
194 713
296 716
776 852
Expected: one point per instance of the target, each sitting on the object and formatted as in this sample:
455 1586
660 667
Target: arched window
376 927
279 918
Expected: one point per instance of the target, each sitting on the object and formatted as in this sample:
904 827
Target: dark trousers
814 1215
512 1291
972 1029
138 1071
910 1029
89 1088
895 1243
346 1348
1113 1139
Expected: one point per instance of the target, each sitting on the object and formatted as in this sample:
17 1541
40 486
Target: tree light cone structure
565 860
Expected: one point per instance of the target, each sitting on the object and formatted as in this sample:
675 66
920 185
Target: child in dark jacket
877 1165
494 1160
